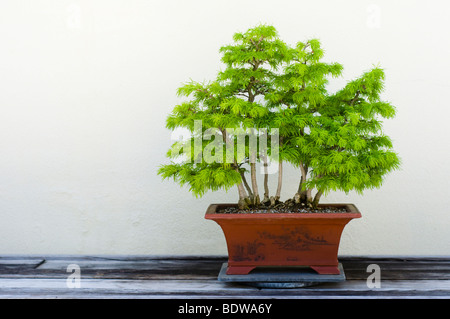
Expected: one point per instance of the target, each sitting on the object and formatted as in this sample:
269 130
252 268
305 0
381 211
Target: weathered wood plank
208 268
399 268
18 264
196 277
173 288
140 268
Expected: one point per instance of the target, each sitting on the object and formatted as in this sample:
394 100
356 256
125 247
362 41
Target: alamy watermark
373 16
231 145
74 279
73 21
374 279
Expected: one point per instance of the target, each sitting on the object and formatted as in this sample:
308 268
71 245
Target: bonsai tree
268 87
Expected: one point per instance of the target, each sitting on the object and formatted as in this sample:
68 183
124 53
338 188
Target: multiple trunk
304 194
249 196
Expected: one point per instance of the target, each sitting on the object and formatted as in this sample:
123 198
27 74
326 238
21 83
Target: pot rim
353 212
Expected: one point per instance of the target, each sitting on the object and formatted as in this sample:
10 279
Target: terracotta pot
274 239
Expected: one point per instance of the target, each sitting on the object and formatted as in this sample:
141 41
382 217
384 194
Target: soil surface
288 207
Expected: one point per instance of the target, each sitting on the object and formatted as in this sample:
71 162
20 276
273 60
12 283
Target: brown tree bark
266 179
317 199
280 180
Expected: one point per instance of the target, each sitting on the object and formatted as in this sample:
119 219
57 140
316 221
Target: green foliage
335 139
201 177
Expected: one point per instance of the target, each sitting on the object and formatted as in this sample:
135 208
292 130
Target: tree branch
352 101
242 94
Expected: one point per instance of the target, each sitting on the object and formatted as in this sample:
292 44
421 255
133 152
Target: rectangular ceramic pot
279 240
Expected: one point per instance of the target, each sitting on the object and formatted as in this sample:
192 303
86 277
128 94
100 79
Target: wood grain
196 277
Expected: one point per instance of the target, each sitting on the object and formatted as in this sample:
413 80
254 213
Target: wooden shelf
183 277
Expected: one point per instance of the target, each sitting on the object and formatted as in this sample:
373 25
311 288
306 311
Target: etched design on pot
249 252
297 238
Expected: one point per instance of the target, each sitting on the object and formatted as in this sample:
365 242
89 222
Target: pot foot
326 270
239 270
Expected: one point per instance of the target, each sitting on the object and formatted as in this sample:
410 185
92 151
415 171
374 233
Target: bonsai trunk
256 199
243 199
317 199
266 180
280 180
308 195
303 196
247 187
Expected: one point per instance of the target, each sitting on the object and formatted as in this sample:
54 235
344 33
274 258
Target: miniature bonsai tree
267 86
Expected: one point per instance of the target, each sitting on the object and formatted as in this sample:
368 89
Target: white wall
85 87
